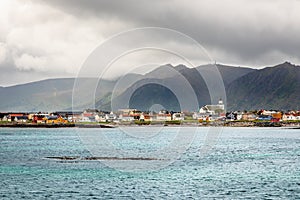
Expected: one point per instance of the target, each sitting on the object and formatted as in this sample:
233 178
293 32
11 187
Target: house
40 118
55 119
239 115
248 117
202 117
268 112
129 114
178 116
31 116
127 111
110 117
231 116
213 109
205 118
163 117
52 120
85 114
196 115
84 119
147 117
126 117
4 118
277 116
89 115
91 111
75 116
222 117
100 118
11 117
265 117
142 117
288 117
205 110
71 116
21 119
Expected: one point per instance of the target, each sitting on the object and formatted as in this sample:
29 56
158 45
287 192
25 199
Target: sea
150 163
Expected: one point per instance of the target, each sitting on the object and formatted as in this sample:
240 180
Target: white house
100 118
287 117
212 109
4 118
110 117
85 119
126 118
178 116
268 112
163 117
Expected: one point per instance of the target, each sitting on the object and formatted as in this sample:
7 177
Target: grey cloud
61 33
247 30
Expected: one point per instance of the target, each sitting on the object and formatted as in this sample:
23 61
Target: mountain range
276 87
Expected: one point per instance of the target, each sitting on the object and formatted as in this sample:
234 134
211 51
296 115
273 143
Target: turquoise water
254 163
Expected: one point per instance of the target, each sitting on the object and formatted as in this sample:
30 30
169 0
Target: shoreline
290 125
71 125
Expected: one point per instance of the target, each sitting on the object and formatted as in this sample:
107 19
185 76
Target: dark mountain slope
177 77
270 88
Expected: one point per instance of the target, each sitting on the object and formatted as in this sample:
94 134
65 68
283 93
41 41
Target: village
207 115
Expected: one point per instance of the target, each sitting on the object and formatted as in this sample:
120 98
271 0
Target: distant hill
46 95
275 87
37 96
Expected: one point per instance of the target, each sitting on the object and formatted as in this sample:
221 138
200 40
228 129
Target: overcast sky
43 39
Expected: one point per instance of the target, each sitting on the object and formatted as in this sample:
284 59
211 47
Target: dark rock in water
267 124
295 128
98 158
94 126
63 157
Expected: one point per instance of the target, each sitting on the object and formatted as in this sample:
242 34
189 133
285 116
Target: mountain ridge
274 87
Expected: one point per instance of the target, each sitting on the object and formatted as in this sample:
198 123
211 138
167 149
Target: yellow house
56 120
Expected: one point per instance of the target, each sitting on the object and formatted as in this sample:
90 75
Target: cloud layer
42 39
